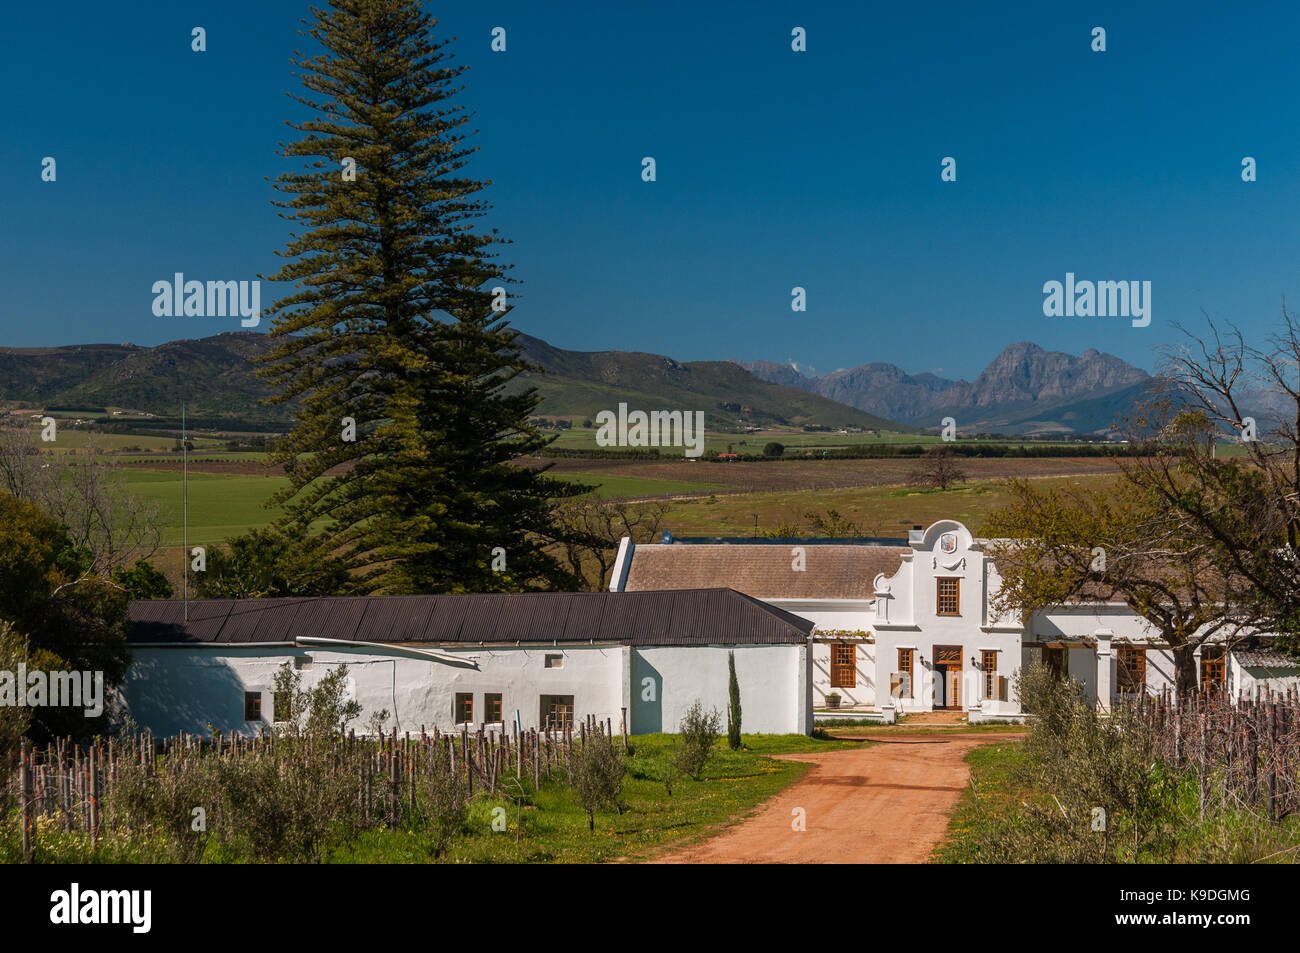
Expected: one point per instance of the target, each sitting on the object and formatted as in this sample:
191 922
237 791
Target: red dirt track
885 803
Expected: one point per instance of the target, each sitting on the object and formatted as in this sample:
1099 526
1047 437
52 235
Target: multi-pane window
844 665
1130 670
463 711
1212 667
252 706
989 662
949 597
492 706
905 673
557 711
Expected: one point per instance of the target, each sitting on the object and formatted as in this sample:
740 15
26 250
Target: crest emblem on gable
948 543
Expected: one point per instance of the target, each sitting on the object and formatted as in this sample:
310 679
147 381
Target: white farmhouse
531 659
908 626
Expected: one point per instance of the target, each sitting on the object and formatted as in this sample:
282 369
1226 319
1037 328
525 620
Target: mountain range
1024 390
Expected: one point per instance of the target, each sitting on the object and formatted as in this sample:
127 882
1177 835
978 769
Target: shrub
696 737
733 704
1103 797
440 811
596 776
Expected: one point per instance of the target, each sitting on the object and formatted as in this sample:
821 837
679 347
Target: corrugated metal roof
1265 658
676 617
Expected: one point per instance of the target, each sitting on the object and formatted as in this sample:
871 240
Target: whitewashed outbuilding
531 659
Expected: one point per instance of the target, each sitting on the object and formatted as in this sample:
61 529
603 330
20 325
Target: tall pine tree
391 326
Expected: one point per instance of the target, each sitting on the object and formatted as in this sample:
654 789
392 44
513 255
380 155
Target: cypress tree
733 707
390 337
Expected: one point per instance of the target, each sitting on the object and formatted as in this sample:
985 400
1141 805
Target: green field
220 505
73 438
887 510
225 505
584 438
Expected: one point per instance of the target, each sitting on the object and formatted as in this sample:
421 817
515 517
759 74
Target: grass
877 510
993 773
733 785
220 505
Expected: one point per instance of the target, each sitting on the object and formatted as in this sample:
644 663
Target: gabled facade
911 627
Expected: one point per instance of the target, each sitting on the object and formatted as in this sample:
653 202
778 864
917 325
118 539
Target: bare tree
937 469
88 497
1059 546
596 528
1224 461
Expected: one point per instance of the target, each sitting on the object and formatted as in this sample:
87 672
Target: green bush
596 772
696 736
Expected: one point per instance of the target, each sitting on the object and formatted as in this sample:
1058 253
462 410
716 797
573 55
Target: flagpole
185 518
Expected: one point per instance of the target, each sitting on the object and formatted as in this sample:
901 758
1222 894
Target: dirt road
886 803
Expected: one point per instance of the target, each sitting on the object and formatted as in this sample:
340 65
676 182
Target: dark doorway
947 677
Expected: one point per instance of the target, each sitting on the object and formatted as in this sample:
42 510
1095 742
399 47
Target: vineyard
1244 752
280 796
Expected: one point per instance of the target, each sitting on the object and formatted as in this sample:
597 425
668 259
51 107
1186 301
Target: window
492 706
949 597
557 711
905 673
280 706
1212 667
302 663
554 661
1130 670
252 706
464 710
1056 659
844 665
989 662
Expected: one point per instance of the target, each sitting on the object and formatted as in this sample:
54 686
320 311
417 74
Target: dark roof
766 572
680 617
1266 657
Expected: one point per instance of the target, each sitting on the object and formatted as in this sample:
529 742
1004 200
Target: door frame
951 671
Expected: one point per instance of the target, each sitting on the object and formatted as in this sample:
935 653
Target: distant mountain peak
1023 389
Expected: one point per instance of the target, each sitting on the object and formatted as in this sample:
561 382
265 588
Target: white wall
838 615
862 693
667 680
187 688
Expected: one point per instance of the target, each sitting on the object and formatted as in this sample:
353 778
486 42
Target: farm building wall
775 689
172 689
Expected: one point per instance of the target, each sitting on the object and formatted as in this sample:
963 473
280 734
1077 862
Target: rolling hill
215 378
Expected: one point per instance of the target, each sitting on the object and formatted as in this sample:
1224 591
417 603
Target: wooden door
947 670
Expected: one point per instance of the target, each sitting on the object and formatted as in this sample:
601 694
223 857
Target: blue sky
775 169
